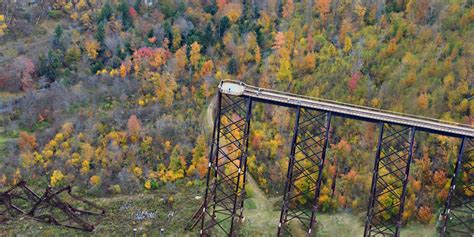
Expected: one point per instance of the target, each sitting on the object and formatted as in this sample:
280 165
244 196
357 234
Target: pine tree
57 38
105 13
100 33
124 10
224 24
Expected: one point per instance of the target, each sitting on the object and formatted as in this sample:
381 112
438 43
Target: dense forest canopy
112 96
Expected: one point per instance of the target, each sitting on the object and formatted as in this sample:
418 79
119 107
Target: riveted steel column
391 170
320 174
212 155
310 138
240 192
452 187
459 210
405 182
247 132
224 186
284 210
373 187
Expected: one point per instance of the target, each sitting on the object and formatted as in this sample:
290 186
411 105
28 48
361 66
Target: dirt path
210 114
260 217
263 203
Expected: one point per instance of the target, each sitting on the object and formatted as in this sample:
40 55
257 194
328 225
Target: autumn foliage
115 97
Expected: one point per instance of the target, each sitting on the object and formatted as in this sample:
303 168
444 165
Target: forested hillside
112 96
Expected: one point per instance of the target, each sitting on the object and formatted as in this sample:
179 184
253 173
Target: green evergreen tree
106 12
138 6
100 33
168 31
224 24
209 35
49 64
57 37
124 9
232 66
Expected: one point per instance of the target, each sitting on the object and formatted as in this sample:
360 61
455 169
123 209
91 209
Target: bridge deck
347 110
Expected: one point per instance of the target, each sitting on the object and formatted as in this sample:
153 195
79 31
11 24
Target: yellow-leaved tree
123 71
181 60
284 72
347 44
3 25
56 178
195 54
95 180
91 48
176 37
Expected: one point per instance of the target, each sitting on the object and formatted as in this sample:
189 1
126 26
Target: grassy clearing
348 224
3 145
340 224
261 218
417 230
3 141
123 216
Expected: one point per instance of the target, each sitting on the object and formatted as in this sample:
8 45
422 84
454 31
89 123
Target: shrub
55 14
56 178
249 191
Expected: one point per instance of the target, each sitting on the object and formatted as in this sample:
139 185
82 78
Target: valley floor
148 213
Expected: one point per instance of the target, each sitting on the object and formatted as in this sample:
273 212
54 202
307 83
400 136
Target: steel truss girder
225 183
457 216
307 155
389 180
21 201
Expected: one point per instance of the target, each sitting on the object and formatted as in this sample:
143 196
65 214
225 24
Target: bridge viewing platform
364 113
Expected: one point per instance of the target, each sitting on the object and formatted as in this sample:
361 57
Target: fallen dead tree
57 206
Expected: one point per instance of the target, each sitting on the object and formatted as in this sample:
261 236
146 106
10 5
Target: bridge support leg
308 152
227 166
389 180
459 208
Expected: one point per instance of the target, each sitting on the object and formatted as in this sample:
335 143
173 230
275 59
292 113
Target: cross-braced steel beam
50 207
304 176
389 180
458 214
225 184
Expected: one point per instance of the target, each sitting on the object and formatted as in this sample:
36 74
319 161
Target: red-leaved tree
22 70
